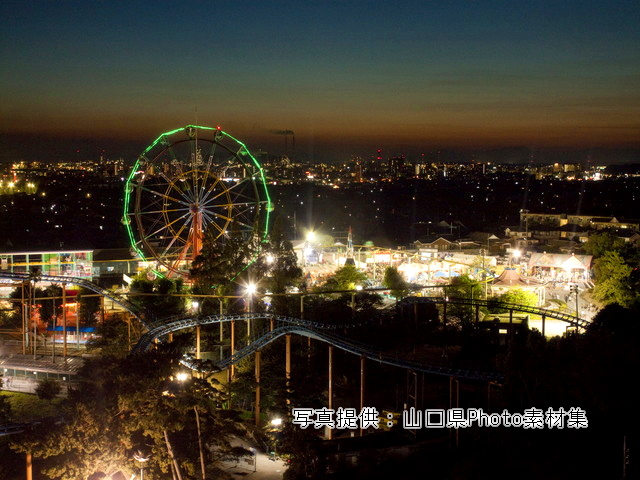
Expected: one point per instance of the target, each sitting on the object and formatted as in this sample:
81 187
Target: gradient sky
346 76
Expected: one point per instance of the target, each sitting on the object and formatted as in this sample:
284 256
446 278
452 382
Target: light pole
485 277
574 289
358 288
142 459
250 291
308 249
195 305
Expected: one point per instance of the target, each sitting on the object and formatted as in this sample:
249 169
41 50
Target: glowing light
276 422
358 287
140 457
270 259
311 236
250 289
182 376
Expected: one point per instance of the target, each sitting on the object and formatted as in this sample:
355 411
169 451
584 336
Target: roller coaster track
163 327
318 331
556 315
355 348
114 297
169 325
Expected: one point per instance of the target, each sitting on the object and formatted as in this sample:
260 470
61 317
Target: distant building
70 263
434 242
528 219
22 373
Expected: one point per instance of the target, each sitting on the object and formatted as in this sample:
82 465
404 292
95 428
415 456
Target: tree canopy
130 404
394 281
345 278
518 296
155 297
615 282
601 243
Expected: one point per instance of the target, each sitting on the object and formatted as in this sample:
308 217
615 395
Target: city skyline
346 78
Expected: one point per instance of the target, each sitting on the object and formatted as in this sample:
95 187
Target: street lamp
142 459
250 289
515 255
307 249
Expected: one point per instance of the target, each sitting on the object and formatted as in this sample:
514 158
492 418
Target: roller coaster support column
287 368
258 354
23 309
232 369
329 430
198 342
64 321
544 317
362 359
477 314
451 380
444 311
221 331
301 306
457 406
78 331
308 338
29 466
510 326
32 310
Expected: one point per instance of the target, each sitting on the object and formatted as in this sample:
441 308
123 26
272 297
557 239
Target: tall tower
350 247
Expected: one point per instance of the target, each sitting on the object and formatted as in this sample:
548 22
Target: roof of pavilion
556 260
511 278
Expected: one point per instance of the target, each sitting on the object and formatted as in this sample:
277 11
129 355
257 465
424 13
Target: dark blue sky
345 76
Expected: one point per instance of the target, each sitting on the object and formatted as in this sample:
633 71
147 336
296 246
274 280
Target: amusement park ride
200 180
190 181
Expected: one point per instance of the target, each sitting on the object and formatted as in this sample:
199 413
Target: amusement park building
71 263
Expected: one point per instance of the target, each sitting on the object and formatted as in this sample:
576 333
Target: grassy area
25 406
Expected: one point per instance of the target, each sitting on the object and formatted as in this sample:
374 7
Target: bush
48 389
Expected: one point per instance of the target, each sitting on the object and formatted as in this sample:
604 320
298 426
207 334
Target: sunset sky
347 77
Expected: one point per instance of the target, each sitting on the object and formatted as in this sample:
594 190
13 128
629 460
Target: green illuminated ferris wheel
190 181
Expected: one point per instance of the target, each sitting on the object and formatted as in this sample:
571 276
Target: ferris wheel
190 181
